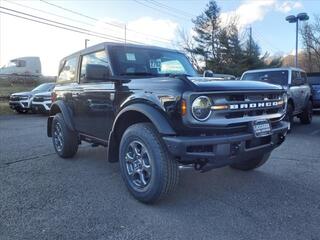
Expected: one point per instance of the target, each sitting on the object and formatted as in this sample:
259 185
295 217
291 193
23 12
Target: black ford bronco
155 114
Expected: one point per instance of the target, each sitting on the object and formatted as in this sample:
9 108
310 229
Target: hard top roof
104 45
274 69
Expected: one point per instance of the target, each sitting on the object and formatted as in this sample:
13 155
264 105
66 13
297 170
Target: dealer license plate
261 128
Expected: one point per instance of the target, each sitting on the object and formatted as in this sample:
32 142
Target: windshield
149 62
275 77
314 80
45 87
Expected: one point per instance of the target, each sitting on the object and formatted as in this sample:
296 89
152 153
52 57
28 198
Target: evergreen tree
206 26
221 48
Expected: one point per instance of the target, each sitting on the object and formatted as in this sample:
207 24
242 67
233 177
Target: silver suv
294 80
22 101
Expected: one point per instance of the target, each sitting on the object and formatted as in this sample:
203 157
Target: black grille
15 98
38 99
239 99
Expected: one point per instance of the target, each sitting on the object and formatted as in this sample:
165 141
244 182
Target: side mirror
97 73
207 73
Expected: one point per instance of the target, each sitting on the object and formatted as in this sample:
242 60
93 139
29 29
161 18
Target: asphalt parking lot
45 197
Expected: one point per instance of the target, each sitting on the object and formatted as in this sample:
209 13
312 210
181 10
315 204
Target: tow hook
281 138
199 165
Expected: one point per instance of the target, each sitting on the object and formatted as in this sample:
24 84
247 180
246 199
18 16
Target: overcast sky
147 22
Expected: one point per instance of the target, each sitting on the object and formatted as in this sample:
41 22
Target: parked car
314 81
153 112
41 102
294 80
21 102
22 66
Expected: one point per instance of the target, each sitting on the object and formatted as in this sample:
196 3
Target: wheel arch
60 107
291 102
130 115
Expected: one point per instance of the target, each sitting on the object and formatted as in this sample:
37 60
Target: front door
95 102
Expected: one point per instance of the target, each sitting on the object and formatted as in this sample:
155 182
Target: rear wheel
306 115
64 140
251 163
147 168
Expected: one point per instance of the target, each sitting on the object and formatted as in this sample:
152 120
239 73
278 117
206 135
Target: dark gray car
294 80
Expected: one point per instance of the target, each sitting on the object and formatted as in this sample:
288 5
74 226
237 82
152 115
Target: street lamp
86 43
295 19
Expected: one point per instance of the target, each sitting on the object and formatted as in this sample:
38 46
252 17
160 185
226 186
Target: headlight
201 108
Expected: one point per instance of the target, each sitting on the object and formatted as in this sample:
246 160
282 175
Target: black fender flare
56 107
160 122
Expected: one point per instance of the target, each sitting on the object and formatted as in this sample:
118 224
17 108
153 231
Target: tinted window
17 63
68 72
147 61
296 78
274 77
95 67
314 80
304 77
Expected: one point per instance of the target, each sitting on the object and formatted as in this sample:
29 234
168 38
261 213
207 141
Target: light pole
295 19
86 43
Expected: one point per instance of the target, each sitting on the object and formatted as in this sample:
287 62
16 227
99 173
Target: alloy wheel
138 167
58 136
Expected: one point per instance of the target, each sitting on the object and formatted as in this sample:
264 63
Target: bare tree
186 43
311 38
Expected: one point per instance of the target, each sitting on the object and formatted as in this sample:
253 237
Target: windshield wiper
138 74
177 75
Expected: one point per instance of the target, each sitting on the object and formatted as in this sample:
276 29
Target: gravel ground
45 197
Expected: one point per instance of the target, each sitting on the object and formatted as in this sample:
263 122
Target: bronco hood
212 84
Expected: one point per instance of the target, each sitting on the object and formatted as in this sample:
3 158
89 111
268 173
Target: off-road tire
306 115
69 146
164 169
251 163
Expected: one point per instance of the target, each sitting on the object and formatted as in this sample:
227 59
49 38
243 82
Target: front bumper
25 104
41 106
222 150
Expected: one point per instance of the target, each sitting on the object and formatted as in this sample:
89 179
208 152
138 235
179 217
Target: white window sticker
131 57
155 63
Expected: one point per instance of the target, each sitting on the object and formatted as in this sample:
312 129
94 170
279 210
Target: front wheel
147 168
306 115
251 163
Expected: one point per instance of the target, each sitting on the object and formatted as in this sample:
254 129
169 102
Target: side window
95 67
68 72
296 78
304 77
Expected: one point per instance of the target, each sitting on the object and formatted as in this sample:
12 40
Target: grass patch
7 88
4 108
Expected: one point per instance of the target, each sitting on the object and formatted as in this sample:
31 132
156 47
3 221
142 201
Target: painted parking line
315 132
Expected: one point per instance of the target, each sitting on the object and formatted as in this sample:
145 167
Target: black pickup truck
155 114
